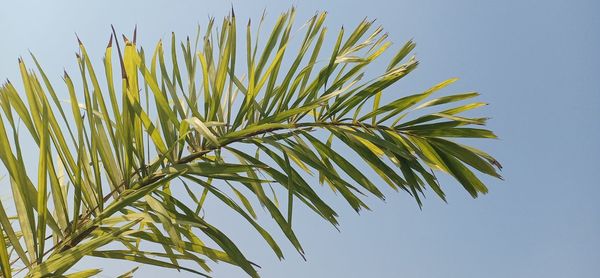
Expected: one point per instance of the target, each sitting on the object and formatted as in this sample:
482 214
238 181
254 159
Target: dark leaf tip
135 34
78 39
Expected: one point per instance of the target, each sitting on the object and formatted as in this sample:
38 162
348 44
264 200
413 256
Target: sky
536 62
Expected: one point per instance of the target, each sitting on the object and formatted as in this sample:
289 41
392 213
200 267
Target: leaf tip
126 40
110 41
497 164
78 39
135 34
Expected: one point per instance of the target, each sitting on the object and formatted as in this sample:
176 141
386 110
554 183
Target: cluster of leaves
107 166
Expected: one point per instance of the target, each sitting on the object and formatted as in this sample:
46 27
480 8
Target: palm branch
128 160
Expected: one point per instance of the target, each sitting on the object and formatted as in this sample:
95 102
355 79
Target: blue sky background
536 62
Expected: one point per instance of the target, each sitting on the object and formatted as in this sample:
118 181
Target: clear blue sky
536 62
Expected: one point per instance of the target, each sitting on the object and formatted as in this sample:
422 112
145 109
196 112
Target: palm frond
197 118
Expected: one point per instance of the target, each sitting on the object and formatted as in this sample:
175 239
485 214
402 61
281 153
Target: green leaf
73 255
4 257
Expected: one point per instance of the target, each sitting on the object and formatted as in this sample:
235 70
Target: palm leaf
119 157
